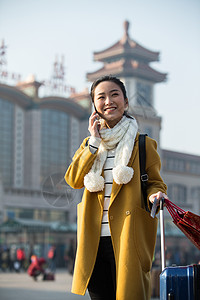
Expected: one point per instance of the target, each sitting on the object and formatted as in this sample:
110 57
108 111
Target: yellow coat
133 231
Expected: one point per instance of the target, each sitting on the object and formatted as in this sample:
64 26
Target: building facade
39 135
181 171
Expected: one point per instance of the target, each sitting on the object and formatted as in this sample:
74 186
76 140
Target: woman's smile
110 109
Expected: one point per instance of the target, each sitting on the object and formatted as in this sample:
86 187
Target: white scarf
122 136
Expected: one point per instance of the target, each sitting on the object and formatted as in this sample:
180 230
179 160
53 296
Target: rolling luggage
177 283
180 283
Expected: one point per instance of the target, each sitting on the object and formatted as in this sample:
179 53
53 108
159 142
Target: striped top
108 177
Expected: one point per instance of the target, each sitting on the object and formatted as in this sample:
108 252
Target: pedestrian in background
36 267
71 256
116 235
21 256
5 259
52 258
1 251
12 257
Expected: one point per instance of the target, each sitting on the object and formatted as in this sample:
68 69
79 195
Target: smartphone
100 115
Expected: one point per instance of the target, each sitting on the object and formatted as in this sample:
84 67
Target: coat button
111 217
128 212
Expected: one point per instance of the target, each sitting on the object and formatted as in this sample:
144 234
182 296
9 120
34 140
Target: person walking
52 258
116 234
21 256
12 257
71 256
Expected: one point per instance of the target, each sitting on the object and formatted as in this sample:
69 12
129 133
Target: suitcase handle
162 234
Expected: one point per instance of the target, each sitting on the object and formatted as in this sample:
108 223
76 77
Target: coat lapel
116 187
101 198
101 195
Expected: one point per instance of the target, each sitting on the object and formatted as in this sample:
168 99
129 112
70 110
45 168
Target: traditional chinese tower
130 61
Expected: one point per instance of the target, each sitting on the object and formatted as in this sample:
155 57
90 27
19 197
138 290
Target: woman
116 235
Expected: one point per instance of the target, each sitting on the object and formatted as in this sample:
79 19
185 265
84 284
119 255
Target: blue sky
35 31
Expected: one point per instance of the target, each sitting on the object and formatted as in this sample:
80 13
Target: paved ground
20 286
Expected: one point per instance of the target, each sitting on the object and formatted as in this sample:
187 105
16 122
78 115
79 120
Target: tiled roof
126 46
128 67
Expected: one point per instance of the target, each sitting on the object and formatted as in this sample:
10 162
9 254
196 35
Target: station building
39 135
38 138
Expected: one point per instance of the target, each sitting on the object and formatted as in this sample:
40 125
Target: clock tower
130 61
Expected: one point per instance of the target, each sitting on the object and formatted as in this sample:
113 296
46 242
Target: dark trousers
102 285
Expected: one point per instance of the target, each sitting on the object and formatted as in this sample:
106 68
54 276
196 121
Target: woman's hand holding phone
94 124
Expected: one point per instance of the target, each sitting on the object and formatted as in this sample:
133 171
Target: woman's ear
126 104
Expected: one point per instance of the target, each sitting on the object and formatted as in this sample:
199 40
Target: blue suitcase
180 283
177 283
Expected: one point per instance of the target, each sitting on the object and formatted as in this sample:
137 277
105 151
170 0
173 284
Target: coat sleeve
153 166
80 166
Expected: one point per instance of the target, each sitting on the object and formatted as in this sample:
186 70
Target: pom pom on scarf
122 174
94 182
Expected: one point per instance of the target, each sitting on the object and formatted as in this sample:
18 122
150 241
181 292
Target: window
175 164
144 94
26 213
10 214
177 193
196 193
54 141
6 141
194 168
